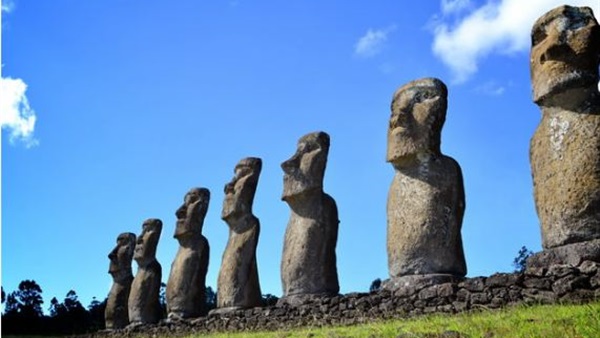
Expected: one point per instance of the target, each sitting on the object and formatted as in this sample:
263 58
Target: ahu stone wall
552 284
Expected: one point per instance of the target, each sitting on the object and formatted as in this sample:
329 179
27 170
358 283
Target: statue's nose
229 188
290 164
180 213
113 254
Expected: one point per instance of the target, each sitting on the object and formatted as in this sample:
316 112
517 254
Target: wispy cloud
7 6
490 88
454 6
16 116
372 42
501 27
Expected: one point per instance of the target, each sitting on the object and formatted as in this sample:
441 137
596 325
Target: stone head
304 171
239 193
147 241
565 54
418 114
190 215
121 256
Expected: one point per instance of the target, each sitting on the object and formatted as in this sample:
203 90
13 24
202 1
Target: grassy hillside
522 321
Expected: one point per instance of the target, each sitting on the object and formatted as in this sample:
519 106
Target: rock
565 149
475 284
308 265
559 271
116 314
479 298
410 284
426 199
569 283
595 281
570 254
186 286
538 283
238 285
463 295
589 267
143 304
503 280
446 289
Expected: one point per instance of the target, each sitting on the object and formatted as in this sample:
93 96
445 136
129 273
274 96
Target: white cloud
16 115
490 88
497 27
454 6
372 42
7 6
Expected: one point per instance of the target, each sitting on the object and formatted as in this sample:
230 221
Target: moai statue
116 315
143 304
426 199
238 285
308 265
565 148
186 287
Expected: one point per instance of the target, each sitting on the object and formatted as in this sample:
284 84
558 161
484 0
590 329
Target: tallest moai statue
565 149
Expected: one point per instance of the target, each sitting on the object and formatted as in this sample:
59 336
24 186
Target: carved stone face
418 114
565 53
239 193
190 215
120 257
304 171
147 241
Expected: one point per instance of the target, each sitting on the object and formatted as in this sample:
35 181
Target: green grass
522 321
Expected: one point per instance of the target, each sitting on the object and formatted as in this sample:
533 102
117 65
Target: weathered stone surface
475 284
186 286
116 315
238 285
355 307
565 149
503 279
589 267
411 284
570 254
143 304
568 284
426 199
308 265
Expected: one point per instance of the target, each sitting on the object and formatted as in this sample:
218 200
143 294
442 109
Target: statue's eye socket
538 35
418 97
422 96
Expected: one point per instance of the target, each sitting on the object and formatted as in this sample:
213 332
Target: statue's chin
551 88
298 192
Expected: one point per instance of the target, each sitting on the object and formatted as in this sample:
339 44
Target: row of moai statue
308 264
425 204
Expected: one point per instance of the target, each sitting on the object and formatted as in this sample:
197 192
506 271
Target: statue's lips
291 176
399 130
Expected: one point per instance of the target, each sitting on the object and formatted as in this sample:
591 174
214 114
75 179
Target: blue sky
112 110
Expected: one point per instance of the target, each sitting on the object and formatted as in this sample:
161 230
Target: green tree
162 299
56 308
29 298
520 262
23 310
269 300
96 313
12 305
211 298
375 285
